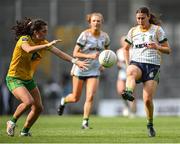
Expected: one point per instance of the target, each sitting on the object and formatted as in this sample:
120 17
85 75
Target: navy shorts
149 71
84 78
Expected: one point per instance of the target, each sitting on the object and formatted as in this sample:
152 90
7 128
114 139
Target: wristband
159 48
74 60
49 48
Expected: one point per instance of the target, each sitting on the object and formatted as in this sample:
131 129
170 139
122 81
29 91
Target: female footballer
30 48
89 44
148 41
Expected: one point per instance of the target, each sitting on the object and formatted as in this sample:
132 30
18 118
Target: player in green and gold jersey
31 46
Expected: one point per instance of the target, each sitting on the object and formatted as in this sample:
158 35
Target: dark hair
153 18
27 26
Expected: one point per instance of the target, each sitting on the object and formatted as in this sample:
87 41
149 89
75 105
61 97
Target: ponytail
27 27
153 18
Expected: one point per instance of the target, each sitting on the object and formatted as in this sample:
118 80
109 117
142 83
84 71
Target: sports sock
129 89
63 101
150 121
85 120
13 119
25 130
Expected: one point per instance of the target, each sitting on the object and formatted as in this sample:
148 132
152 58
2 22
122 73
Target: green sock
129 89
150 121
25 130
14 120
86 119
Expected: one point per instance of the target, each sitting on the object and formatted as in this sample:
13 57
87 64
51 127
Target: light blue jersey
90 44
121 60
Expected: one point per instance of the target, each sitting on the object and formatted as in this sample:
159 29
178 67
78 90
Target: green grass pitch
67 129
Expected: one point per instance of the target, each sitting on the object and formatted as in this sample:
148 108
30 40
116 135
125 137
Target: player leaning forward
89 44
31 46
148 41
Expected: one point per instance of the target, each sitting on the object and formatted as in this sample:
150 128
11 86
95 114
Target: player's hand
83 65
153 45
54 42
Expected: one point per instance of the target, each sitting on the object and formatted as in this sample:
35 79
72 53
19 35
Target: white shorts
122 75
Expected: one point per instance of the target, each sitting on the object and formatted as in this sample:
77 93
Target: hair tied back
29 23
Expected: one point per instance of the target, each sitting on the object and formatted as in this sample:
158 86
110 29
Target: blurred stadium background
66 19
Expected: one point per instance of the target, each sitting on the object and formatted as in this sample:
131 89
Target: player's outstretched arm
28 48
65 56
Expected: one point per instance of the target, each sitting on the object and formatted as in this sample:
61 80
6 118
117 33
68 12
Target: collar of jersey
144 30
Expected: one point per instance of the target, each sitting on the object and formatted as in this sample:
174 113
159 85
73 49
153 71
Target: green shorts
13 83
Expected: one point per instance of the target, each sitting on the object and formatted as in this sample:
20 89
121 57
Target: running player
89 44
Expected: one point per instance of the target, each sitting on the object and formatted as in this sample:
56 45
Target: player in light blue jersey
88 46
148 41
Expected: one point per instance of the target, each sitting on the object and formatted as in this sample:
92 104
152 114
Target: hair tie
29 23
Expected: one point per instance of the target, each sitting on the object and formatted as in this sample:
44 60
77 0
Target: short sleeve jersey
23 64
139 41
90 44
121 59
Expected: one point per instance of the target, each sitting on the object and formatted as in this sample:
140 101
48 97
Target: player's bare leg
149 89
72 97
91 87
33 115
22 94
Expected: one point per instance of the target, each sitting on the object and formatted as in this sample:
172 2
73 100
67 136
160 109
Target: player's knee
148 102
39 108
29 103
131 75
89 98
